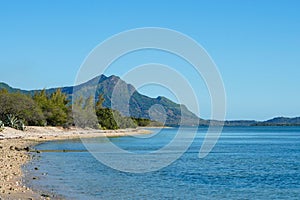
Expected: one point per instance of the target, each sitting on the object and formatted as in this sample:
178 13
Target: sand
14 147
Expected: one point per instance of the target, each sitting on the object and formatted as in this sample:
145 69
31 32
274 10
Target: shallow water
246 163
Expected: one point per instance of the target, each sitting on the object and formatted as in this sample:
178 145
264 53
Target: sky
254 44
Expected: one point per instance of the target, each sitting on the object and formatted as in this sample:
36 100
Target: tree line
42 109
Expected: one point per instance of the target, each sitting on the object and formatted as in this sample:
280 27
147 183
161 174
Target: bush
13 122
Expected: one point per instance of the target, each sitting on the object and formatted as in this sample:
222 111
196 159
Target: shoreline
14 153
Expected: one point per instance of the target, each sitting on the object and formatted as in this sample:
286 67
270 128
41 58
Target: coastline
15 145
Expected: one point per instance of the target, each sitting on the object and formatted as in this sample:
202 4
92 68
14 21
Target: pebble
12 156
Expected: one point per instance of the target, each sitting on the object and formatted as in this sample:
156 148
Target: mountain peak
114 77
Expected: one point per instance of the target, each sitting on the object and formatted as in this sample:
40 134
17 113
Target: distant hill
12 90
140 104
280 121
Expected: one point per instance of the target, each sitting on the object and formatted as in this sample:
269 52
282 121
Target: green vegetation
106 118
54 109
13 122
141 121
22 106
84 113
146 122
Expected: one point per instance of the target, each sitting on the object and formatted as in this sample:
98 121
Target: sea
245 163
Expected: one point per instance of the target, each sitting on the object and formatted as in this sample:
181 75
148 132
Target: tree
111 119
21 106
84 113
141 121
42 101
99 103
55 107
59 108
106 118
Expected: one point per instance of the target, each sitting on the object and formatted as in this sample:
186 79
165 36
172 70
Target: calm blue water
246 163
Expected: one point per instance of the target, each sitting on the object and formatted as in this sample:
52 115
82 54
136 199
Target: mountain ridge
129 101
132 103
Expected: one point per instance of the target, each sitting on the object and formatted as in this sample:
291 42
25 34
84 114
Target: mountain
127 100
131 103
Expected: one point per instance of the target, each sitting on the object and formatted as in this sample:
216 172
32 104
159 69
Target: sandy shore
14 146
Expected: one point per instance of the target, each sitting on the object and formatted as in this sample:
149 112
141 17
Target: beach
14 153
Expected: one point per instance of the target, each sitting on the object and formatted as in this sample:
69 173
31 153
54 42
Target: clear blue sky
255 44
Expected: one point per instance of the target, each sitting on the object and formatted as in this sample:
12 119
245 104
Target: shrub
13 122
